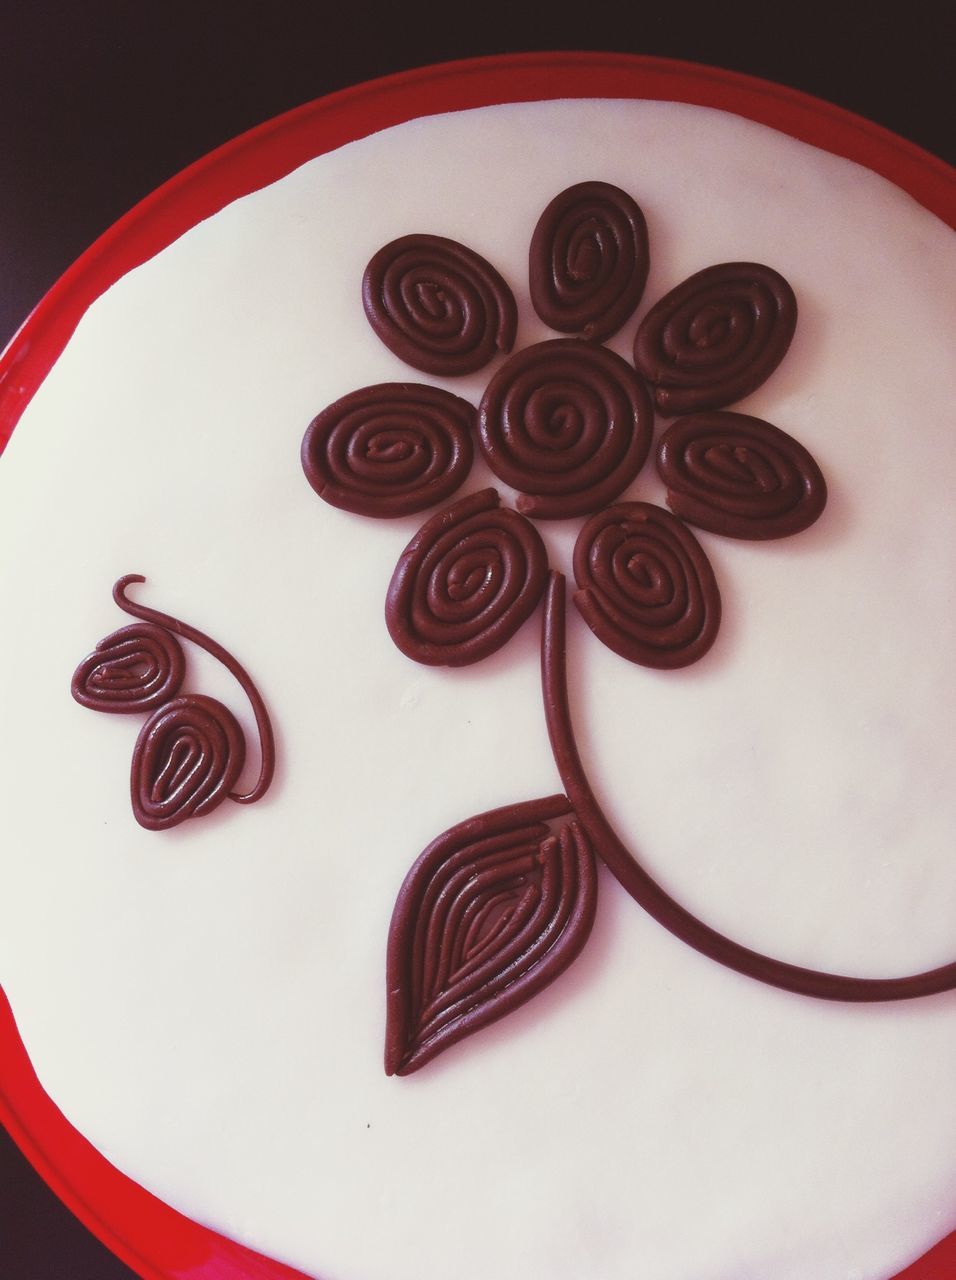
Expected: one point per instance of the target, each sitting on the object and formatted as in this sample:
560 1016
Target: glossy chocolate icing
652 896
438 305
491 913
645 586
568 423
390 450
716 337
466 582
740 476
588 261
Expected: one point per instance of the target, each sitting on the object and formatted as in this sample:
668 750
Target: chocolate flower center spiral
588 260
716 337
389 450
438 305
645 587
135 669
187 758
568 423
465 583
740 476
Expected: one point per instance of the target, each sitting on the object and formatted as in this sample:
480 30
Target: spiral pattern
187 758
567 423
588 260
465 583
739 476
438 305
716 337
134 669
645 587
389 450
490 914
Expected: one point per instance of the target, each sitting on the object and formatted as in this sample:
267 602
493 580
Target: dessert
208 1003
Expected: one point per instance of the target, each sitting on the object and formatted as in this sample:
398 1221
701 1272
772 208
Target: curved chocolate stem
263 724
648 893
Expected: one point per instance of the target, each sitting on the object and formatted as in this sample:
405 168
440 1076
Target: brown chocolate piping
187 758
491 913
716 337
390 449
263 724
739 476
135 669
649 894
588 260
438 305
646 588
567 423
466 582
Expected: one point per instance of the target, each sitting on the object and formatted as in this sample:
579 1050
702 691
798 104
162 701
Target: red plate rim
155 1240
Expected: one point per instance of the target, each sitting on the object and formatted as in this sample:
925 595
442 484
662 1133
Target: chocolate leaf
491 913
187 758
134 669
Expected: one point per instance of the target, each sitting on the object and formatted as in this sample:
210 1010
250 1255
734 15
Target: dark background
102 100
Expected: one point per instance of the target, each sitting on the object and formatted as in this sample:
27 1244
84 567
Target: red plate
155 1240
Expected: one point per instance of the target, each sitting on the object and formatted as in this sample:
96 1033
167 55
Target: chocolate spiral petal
567 423
491 913
588 260
740 476
465 583
186 760
438 305
134 669
645 587
390 450
716 337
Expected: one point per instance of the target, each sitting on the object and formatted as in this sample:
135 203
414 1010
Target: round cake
207 999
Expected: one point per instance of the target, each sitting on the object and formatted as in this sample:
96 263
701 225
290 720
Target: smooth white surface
207 1005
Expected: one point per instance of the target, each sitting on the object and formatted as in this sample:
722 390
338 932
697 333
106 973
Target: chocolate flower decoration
739 476
588 262
498 905
190 752
645 586
438 305
568 423
716 337
466 582
491 913
390 450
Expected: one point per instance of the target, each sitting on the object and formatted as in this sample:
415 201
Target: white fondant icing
207 1004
